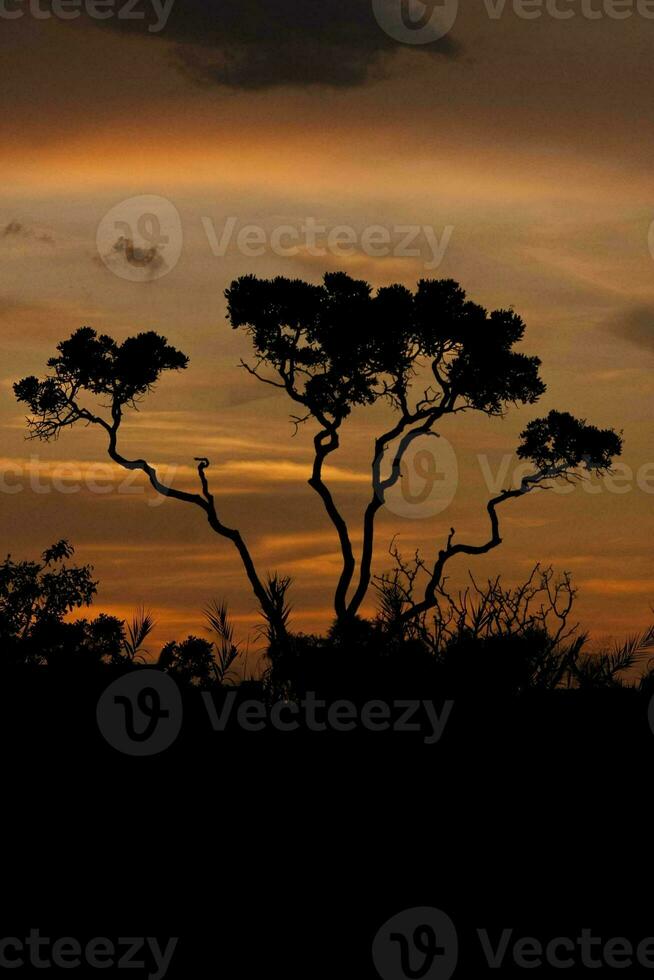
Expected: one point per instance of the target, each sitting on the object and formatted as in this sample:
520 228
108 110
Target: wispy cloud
616 586
18 230
636 325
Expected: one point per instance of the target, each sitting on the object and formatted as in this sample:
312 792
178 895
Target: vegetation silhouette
336 346
486 641
36 599
331 348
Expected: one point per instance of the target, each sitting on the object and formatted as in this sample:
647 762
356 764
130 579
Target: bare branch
528 484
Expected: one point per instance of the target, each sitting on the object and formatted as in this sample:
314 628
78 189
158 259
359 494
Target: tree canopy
338 345
97 365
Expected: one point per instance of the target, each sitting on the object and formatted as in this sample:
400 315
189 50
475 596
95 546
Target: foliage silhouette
485 641
228 650
138 631
333 347
36 597
336 346
119 376
189 662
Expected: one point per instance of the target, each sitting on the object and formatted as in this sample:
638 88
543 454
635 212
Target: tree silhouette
35 599
335 346
36 594
332 347
120 375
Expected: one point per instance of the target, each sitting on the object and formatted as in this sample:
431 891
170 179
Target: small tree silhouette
35 595
35 600
120 375
336 346
190 662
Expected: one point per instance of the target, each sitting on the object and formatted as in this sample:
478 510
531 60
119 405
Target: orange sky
533 145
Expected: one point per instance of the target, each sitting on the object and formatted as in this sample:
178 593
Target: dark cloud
125 255
637 326
15 229
256 44
140 257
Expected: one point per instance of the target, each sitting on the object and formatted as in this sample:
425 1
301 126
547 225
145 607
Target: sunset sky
531 140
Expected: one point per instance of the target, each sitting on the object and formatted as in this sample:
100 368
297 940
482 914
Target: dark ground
282 854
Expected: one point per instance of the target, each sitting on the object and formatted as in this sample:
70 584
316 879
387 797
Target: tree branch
427 416
205 501
529 483
325 442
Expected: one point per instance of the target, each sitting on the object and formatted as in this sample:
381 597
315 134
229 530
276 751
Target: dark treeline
486 640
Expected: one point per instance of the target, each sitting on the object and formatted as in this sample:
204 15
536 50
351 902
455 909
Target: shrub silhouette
200 662
189 662
36 596
487 640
